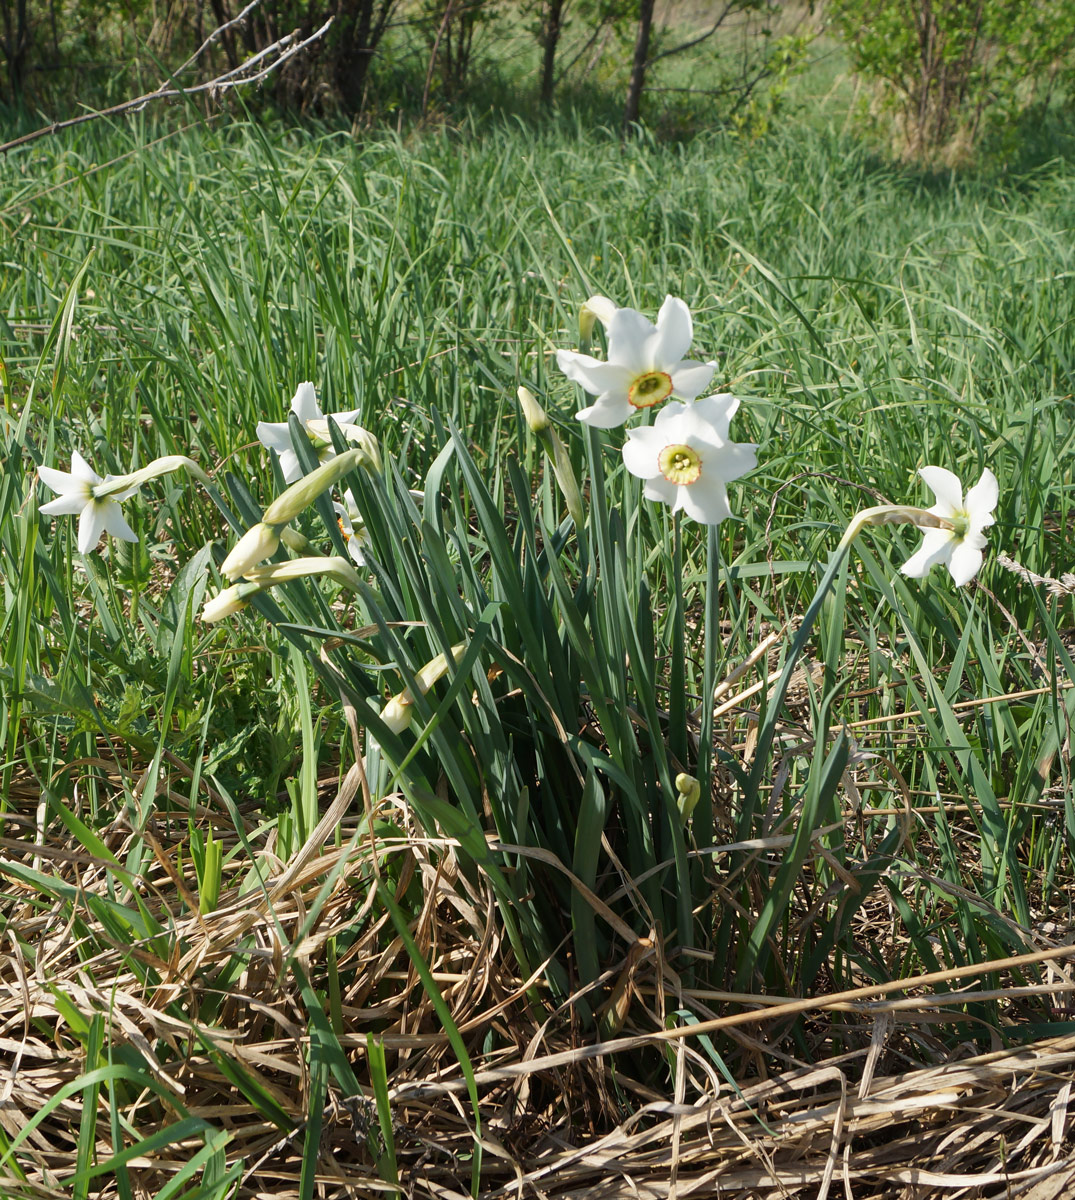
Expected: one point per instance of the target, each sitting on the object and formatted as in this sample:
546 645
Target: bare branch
708 33
286 47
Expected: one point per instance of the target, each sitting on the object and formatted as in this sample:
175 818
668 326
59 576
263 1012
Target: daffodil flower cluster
686 457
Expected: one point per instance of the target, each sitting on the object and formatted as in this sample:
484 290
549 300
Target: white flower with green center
277 436
645 365
687 459
960 547
76 494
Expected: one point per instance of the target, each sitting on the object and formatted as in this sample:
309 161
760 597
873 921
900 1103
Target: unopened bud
299 496
228 602
597 308
256 545
688 793
534 415
398 713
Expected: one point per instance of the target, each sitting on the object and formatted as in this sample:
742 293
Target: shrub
951 70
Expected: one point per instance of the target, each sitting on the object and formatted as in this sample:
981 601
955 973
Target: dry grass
886 1107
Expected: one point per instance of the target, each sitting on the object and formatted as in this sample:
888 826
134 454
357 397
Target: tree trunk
638 67
553 27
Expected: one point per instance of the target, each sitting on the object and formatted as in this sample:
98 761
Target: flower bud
256 545
287 506
398 713
534 415
228 602
688 793
597 308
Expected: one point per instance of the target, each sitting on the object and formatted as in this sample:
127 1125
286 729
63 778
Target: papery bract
959 548
645 365
686 459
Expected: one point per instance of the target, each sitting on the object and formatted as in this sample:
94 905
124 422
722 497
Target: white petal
115 523
937 546
707 420
304 403
631 339
90 527
65 505
946 487
671 423
289 466
717 411
705 501
964 562
662 491
690 379
607 411
81 469
982 499
642 451
592 374
674 333
731 461
62 482
602 308
274 435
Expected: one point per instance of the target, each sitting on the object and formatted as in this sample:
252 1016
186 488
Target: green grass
162 289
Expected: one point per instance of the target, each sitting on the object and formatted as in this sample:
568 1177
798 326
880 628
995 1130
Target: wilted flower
645 364
686 459
76 494
277 436
959 547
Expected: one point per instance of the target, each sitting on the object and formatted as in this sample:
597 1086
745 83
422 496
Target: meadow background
205 992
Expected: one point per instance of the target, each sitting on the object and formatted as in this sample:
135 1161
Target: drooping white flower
959 548
75 494
687 459
645 365
354 532
277 436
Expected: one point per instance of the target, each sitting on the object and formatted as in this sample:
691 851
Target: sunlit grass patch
243 937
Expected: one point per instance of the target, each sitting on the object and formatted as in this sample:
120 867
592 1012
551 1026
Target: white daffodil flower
686 459
277 436
76 494
645 365
354 532
959 547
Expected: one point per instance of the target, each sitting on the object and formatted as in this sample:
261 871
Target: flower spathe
645 364
686 458
960 547
76 494
277 436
